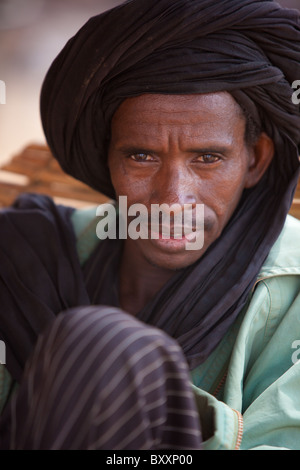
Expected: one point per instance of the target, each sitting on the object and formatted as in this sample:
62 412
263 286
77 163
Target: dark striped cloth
100 379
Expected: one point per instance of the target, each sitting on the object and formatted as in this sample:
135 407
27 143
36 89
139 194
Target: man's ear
261 157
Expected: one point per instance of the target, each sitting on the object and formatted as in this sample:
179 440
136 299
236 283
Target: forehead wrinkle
211 104
167 141
156 120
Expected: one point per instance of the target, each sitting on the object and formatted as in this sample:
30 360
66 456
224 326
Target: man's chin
173 261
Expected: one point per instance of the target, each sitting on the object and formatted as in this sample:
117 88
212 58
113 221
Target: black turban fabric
248 48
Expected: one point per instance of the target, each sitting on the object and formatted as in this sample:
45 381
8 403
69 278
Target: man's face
177 149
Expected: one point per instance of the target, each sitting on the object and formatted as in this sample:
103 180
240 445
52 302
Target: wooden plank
43 175
295 209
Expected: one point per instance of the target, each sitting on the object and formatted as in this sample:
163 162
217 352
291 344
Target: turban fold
249 48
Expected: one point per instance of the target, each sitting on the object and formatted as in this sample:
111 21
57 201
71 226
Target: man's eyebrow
134 149
210 148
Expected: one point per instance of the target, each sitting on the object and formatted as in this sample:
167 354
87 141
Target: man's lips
186 229
173 232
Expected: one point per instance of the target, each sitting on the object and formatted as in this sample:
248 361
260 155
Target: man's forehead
195 116
210 103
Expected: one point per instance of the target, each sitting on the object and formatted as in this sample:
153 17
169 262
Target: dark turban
248 48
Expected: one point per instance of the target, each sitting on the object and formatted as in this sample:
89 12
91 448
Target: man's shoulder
284 257
84 223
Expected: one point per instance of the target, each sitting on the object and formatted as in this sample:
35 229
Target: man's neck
139 280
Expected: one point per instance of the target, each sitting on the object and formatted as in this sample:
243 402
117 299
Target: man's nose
174 184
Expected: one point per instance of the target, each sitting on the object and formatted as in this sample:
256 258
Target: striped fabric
100 379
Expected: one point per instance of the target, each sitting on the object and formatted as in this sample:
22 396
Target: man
165 103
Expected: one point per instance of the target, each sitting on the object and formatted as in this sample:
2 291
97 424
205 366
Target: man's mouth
162 232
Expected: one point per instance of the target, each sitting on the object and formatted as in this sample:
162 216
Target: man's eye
140 157
208 158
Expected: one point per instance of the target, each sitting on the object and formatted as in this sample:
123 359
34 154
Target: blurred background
32 32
